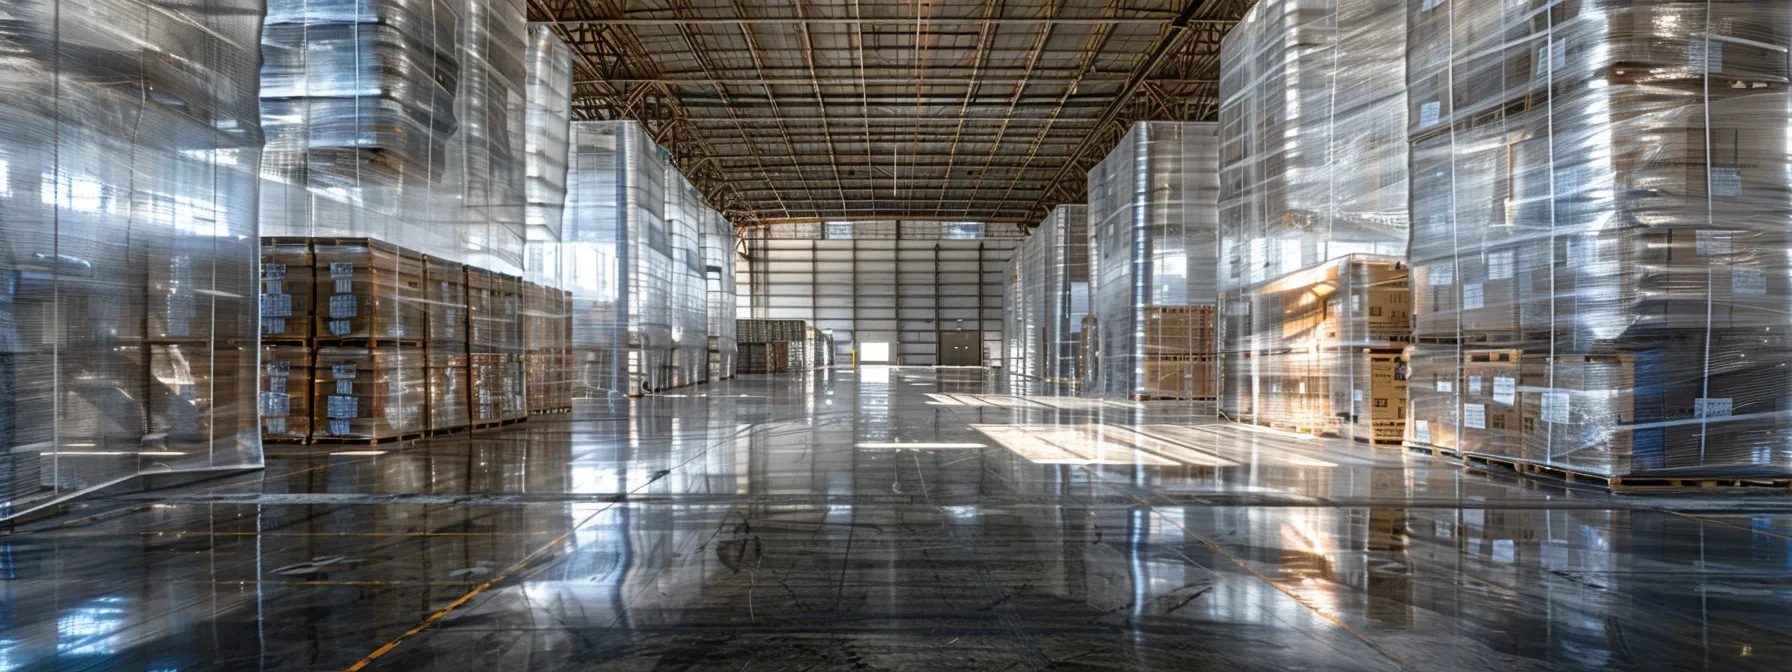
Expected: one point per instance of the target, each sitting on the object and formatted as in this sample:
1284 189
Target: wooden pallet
345 441
1428 449
333 342
287 440
448 431
548 411
1379 442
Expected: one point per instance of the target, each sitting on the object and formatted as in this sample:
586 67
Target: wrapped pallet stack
127 318
1600 247
1314 220
776 346
718 268
546 307
633 264
368 382
1048 296
1153 245
445 306
495 346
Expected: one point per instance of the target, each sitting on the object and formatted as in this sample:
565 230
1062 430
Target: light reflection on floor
747 524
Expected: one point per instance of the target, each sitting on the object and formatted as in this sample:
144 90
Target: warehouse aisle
776 523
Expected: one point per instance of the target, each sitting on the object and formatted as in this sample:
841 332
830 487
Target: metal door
961 348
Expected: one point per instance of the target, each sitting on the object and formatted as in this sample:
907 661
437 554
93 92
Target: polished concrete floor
774 523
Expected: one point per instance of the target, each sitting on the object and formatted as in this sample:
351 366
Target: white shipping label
1719 407
345 286
1726 182
1446 386
1552 57
273 325
1505 551
278 368
275 403
1747 282
276 305
1443 274
273 271
1712 243
1429 113
1429 5
340 327
344 371
1473 296
1356 402
1474 416
342 269
273 286
1505 390
1555 407
1474 384
342 407
1356 303
339 428
277 384
343 306
345 387
1421 431
1499 266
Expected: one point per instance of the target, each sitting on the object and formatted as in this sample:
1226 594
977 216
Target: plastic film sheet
634 265
1153 243
1601 200
1313 132
719 283
128 140
548 124
1047 296
398 120
1318 351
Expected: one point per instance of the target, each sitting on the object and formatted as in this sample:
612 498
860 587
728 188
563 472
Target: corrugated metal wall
881 282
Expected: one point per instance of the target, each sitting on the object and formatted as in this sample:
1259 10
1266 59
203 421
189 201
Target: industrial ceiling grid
942 110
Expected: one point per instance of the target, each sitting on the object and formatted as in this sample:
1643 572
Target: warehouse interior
894 335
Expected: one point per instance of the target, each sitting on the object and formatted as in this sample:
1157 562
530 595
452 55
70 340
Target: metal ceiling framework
942 110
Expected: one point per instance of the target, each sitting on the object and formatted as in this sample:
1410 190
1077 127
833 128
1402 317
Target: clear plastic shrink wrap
1314 216
688 293
617 259
1047 296
548 124
1602 200
718 268
128 139
1153 245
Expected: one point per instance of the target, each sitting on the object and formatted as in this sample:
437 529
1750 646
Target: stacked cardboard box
1179 352
286 391
1319 350
546 338
368 382
287 269
368 393
1598 226
1149 247
445 351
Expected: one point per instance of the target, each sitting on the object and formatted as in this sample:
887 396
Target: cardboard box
1184 377
449 390
368 392
287 270
445 301
286 391
367 289
1433 381
1381 409
1491 420
1577 411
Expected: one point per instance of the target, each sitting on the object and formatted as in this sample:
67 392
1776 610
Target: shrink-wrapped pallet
1153 241
129 133
1601 205
368 393
1048 282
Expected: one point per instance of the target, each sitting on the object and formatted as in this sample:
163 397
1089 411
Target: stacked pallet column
495 350
368 382
287 296
446 360
546 338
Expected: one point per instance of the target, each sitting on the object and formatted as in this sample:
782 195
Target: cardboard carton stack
1319 350
1599 251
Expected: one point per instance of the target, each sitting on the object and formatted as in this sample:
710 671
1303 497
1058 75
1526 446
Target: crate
448 386
445 301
